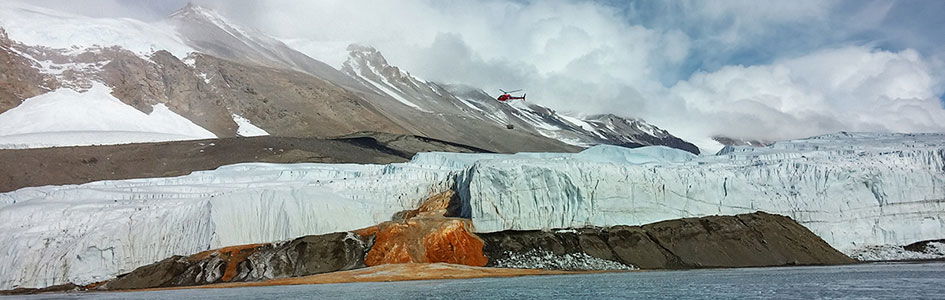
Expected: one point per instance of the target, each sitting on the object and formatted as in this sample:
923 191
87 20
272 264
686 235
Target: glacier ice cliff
851 189
92 232
854 190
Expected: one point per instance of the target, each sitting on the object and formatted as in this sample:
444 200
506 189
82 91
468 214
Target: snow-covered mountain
728 141
856 191
211 33
224 77
370 67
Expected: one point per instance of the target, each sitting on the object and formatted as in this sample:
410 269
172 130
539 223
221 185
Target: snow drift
65 117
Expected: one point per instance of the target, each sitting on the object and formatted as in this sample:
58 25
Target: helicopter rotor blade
515 91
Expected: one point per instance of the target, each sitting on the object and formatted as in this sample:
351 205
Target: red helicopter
506 96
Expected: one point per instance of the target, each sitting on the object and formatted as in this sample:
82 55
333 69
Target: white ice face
92 232
853 190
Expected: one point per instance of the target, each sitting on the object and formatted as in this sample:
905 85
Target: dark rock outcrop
748 240
19 78
62 288
729 141
926 247
307 255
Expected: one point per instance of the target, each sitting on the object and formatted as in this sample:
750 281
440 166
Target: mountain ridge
237 71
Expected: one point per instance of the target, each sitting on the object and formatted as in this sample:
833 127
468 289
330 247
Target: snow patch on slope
894 252
37 26
247 128
65 117
384 86
536 259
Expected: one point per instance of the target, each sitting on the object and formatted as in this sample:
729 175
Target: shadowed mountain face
238 72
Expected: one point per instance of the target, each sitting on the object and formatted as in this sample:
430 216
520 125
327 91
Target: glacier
851 189
855 190
92 232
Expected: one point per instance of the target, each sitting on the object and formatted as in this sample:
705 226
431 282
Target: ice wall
91 232
853 190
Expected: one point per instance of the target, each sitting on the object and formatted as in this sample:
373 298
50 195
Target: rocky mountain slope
222 76
465 104
853 190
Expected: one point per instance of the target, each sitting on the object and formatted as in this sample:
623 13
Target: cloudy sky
741 68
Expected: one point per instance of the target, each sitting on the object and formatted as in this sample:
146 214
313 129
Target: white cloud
586 57
850 88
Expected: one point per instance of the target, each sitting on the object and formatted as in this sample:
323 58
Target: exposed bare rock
283 102
62 288
426 235
634 133
930 246
210 33
471 116
300 257
19 78
208 92
748 240
241 71
730 141
288 103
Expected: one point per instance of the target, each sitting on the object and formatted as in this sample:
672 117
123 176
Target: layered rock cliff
299 257
757 239
747 240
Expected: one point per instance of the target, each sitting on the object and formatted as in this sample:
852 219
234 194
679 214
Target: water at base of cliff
876 280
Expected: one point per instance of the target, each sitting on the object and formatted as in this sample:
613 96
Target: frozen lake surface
877 280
